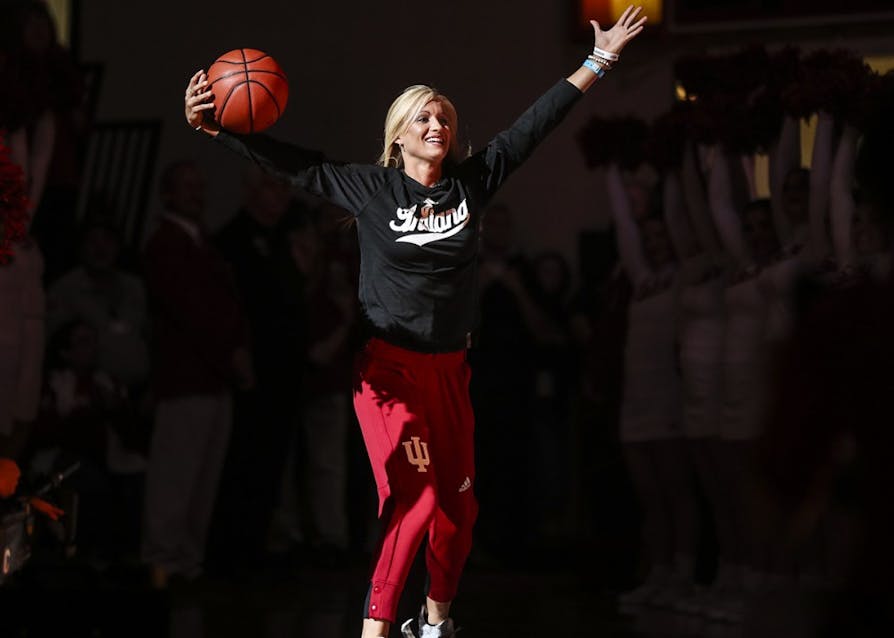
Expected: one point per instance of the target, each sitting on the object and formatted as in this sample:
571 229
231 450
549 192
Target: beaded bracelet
595 68
605 64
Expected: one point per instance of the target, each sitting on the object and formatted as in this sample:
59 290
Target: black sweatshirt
418 245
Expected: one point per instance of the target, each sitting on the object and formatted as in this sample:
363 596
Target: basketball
250 90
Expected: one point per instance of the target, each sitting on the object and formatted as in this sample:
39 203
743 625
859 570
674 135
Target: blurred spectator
43 95
21 345
598 326
555 385
829 437
21 311
200 349
99 292
502 387
318 460
254 243
113 303
650 427
86 416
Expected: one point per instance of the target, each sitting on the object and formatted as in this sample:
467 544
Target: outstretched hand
199 104
626 28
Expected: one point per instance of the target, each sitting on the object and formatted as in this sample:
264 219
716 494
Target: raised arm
39 157
784 156
697 205
626 231
841 199
510 148
612 41
723 210
346 185
675 217
820 174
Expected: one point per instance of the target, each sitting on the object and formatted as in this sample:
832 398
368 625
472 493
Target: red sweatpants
418 426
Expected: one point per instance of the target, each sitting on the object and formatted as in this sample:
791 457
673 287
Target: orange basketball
250 90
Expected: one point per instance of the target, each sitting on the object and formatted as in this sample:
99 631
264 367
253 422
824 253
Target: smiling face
429 135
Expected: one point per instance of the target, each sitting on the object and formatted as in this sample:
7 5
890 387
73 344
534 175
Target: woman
651 412
750 242
417 218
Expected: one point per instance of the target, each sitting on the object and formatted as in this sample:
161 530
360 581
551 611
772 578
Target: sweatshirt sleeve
350 186
510 148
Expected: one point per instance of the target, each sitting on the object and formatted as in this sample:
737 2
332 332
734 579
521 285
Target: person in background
84 416
271 288
43 99
112 300
22 308
554 387
200 352
319 458
503 386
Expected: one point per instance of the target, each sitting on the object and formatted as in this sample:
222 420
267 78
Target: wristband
605 64
608 55
595 68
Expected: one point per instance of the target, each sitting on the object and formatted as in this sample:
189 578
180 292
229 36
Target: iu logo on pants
417 453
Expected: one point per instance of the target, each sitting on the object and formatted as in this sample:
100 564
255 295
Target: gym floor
323 603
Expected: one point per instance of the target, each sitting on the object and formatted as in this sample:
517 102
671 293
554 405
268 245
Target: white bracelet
608 55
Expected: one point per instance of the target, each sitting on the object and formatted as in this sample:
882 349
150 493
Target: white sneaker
443 629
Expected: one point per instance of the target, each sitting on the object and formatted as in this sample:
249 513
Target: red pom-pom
13 203
828 80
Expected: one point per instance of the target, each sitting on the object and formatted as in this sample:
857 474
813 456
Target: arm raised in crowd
678 226
784 156
627 234
723 209
841 199
694 195
39 156
820 175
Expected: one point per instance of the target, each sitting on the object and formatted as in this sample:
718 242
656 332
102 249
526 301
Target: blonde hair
401 114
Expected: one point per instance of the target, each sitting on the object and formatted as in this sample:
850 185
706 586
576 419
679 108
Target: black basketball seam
223 106
230 74
243 55
281 76
270 93
251 115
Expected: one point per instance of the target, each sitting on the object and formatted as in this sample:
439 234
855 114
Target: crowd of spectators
752 403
